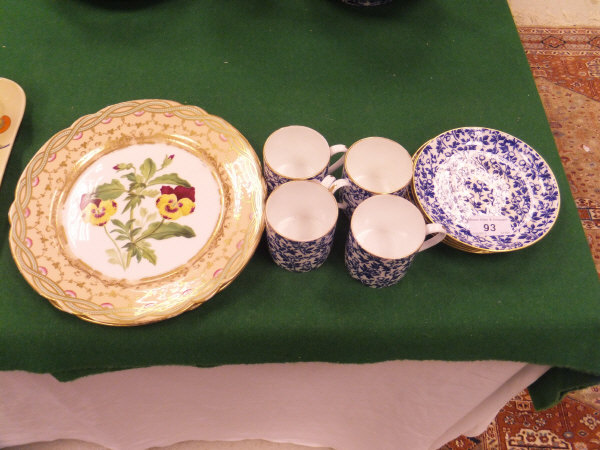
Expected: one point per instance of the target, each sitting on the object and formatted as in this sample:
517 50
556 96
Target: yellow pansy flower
176 202
97 212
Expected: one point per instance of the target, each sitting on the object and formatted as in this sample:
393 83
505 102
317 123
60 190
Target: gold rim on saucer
488 176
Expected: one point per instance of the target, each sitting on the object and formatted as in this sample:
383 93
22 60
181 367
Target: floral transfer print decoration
371 270
475 173
353 195
131 234
273 179
299 256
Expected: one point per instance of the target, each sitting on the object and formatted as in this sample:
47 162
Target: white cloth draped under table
390 405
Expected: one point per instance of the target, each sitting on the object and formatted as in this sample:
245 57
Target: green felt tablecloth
407 71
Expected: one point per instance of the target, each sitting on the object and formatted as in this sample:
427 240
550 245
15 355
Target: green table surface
407 71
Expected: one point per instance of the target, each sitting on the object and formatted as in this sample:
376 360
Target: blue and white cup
301 217
386 233
297 152
375 166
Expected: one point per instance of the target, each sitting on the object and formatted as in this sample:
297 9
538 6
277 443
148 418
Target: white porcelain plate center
139 228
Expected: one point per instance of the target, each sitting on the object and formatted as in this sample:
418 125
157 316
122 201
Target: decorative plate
491 191
137 213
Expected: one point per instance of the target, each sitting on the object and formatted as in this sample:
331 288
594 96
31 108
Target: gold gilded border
241 217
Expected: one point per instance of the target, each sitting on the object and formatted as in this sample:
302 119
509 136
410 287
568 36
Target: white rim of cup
277 191
409 163
393 221
315 133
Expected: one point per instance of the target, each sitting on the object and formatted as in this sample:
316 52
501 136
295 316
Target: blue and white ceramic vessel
353 195
299 256
386 232
372 270
273 179
297 152
470 173
374 166
300 221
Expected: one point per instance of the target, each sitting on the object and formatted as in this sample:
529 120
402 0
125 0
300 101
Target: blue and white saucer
491 191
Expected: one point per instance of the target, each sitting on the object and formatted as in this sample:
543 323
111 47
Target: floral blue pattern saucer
491 191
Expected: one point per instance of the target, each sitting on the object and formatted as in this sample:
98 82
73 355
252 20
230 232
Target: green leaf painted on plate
170 178
148 168
113 256
140 250
148 254
151 193
134 178
165 230
133 201
110 191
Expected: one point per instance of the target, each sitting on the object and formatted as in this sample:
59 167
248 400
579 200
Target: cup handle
334 149
439 234
333 184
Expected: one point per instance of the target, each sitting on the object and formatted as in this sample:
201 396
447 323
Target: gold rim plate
137 213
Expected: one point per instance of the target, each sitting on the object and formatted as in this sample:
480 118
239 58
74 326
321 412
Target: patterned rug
565 63
566 67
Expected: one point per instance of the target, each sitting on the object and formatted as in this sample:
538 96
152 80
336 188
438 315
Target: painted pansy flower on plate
491 191
175 202
137 213
135 235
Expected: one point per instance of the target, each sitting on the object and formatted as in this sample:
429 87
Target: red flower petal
166 190
185 192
